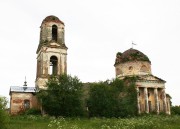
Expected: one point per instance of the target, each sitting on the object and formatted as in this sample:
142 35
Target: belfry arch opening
53 65
54 32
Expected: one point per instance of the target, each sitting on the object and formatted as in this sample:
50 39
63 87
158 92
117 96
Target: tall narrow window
53 65
54 32
26 104
150 106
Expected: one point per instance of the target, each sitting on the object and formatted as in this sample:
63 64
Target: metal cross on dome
133 44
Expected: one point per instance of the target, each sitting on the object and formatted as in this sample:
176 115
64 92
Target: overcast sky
95 30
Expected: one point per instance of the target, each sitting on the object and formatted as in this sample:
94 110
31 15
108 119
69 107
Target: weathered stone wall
133 68
43 63
48 47
17 102
46 32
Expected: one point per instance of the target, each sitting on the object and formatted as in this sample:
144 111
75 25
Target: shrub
3 114
33 111
175 110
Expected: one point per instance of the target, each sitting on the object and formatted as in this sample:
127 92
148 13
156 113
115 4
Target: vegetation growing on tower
130 55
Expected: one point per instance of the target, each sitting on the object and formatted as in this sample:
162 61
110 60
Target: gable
151 78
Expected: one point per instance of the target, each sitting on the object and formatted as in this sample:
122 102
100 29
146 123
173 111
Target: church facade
151 89
52 60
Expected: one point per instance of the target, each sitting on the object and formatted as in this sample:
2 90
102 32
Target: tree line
68 96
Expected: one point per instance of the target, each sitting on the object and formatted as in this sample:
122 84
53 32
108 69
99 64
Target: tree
175 110
128 101
63 96
116 98
102 100
3 114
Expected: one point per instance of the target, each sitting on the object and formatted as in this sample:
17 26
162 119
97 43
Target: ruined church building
52 60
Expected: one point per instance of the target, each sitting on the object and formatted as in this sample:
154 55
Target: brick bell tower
51 51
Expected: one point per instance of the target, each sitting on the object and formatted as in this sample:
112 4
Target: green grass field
143 122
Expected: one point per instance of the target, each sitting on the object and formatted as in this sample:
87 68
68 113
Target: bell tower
51 51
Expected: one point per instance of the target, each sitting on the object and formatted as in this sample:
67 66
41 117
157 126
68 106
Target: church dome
52 18
131 55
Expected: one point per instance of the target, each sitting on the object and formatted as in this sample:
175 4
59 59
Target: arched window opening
53 65
54 32
118 71
130 68
26 104
144 69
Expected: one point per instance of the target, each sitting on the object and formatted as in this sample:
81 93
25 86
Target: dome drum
132 62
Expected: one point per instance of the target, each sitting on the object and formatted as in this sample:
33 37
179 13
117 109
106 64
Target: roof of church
146 78
52 18
22 89
150 77
131 55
